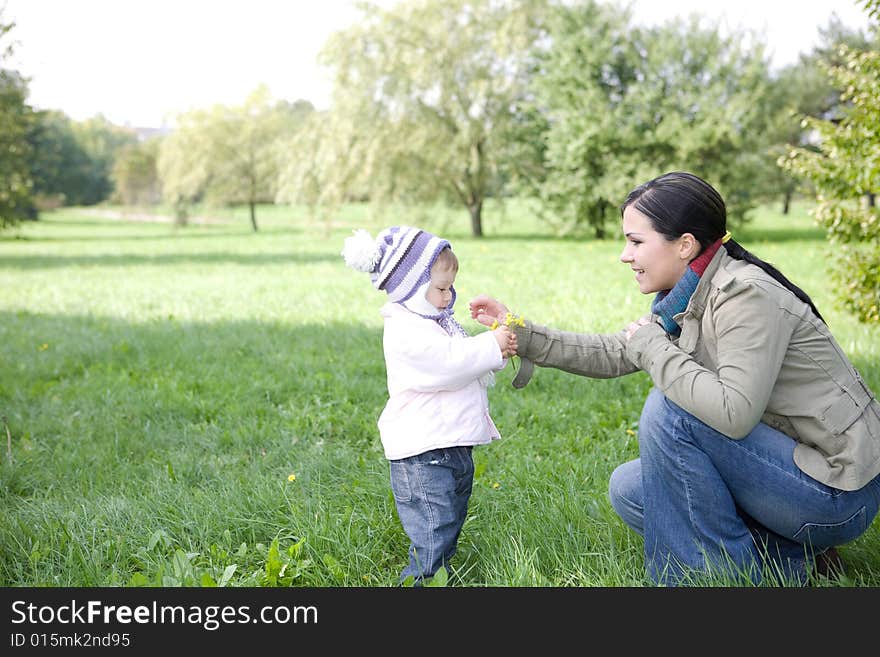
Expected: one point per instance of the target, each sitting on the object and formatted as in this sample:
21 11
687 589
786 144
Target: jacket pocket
841 414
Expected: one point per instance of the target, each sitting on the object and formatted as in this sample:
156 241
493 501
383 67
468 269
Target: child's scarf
668 303
450 325
419 305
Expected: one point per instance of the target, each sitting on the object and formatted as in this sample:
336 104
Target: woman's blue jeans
707 503
431 491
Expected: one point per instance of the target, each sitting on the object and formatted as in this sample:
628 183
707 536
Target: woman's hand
636 325
487 310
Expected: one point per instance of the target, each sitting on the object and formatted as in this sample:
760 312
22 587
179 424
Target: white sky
138 62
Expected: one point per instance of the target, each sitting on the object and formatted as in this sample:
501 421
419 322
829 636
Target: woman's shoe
829 564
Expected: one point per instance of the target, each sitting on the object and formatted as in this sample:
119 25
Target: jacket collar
697 304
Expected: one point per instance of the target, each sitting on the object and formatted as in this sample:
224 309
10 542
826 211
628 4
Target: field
197 406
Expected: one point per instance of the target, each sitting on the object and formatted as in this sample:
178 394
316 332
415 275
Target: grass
196 406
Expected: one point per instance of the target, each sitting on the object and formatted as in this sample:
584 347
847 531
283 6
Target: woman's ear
688 247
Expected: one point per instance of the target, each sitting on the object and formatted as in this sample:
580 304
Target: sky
139 62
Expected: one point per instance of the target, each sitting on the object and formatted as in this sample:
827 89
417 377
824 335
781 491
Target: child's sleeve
428 361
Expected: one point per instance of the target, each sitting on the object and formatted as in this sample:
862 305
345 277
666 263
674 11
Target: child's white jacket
436 385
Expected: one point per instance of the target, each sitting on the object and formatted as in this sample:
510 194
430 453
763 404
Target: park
191 378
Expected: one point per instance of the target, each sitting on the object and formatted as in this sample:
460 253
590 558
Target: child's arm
425 360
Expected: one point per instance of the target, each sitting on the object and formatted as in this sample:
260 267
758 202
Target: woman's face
657 262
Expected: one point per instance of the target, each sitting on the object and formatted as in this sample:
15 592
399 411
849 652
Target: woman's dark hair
679 202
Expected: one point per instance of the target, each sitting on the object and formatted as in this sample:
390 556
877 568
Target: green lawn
191 406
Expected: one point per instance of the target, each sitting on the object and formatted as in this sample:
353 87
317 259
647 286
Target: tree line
570 103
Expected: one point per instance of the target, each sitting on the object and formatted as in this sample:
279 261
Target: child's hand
506 341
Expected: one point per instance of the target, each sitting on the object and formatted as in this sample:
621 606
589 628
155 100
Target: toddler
437 407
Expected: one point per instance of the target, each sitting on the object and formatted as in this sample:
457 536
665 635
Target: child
437 379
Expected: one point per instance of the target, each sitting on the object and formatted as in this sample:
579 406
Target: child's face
439 292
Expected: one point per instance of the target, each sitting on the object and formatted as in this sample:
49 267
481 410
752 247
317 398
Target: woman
759 444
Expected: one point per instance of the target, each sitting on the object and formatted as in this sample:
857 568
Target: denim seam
858 515
430 513
687 487
401 478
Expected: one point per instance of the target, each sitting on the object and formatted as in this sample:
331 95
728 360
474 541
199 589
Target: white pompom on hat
361 252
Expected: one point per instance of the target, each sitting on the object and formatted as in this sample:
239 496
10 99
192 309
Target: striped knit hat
399 262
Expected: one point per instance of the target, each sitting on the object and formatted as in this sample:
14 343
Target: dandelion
291 477
496 485
630 432
509 320
43 346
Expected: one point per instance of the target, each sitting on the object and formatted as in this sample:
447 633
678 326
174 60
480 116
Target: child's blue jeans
704 501
431 491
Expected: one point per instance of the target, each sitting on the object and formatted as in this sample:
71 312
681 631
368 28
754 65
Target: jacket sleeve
428 361
752 334
587 354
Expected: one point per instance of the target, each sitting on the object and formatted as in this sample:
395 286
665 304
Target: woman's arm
752 334
586 354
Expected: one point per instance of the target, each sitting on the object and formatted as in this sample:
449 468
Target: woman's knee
625 493
626 480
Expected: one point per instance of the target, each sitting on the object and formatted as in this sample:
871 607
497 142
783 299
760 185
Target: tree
624 103
60 167
318 164
71 161
423 93
135 176
227 155
845 170
101 140
805 89
16 197
182 164
578 80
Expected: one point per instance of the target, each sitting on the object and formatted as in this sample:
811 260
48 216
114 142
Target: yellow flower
630 432
291 477
509 320
43 346
496 485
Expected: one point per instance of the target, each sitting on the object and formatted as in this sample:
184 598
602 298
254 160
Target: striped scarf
668 303
450 325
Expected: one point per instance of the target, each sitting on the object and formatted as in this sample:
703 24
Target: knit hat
399 261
